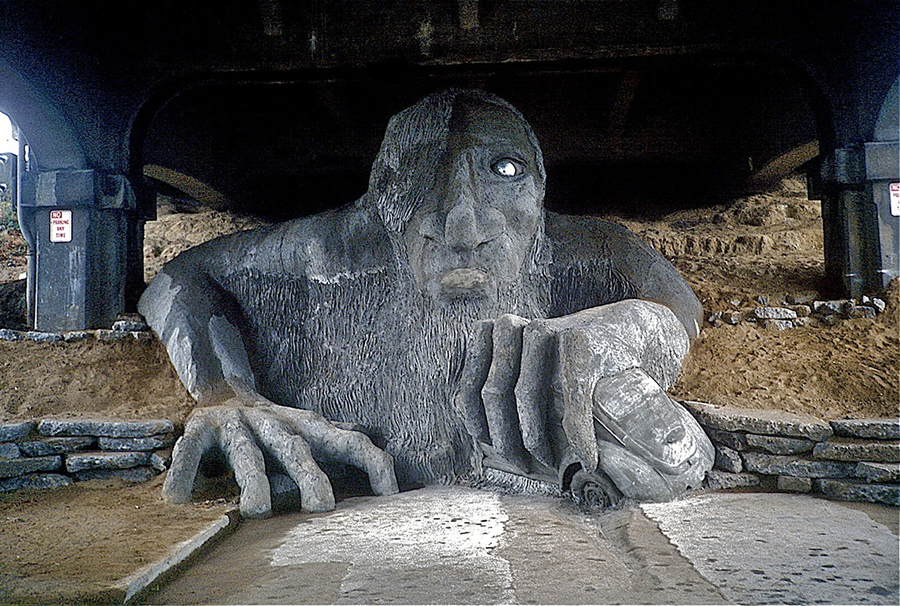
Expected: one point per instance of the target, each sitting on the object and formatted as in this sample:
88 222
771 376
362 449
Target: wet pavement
457 545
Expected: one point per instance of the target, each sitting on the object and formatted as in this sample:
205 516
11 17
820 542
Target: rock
736 302
763 300
144 335
777 324
775 313
732 317
160 460
8 450
878 304
780 465
878 429
106 460
19 467
731 439
715 319
728 460
129 444
35 481
135 474
826 308
792 484
111 429
779 445
11 335
884 473
75 335
876 452
43 337
722 480
11 432
800 322
53 446
846 490
860 312
766 422
801 299
129 323
802 311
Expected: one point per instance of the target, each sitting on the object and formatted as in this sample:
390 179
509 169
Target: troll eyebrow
492 140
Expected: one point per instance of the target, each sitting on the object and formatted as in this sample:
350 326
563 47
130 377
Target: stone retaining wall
852 460
53 453
857 460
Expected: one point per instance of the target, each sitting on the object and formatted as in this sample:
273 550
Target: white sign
895 199
60 225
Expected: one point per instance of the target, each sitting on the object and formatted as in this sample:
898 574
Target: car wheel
595 491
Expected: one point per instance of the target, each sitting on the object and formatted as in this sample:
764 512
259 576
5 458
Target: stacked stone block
796 311
126 326
54 453
851 460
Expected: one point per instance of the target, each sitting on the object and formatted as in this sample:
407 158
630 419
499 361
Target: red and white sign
895 199
60 225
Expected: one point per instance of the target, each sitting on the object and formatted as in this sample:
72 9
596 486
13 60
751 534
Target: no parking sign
60 225
895 199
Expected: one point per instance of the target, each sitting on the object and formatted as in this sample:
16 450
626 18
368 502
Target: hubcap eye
505 168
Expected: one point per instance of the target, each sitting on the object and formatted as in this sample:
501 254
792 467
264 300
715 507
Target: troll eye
506 167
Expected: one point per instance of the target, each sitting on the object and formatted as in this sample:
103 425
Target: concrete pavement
784 549
459 545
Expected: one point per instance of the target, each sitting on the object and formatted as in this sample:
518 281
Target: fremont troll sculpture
443 328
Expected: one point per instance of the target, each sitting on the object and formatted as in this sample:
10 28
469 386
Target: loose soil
72 545
766 245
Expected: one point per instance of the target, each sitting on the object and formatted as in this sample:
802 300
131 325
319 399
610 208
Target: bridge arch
52 141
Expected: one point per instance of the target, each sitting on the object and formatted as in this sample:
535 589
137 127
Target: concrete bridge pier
859 185
84 239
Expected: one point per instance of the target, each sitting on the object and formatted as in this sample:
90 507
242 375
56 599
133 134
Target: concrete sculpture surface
442 325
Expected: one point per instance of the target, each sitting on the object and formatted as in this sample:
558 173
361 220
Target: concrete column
883 188
860 212
82 225
882 157
861 227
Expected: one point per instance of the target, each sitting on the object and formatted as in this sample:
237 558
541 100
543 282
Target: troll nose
461 227
468 225
466 219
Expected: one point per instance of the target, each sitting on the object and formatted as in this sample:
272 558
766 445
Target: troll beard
414 416
374 351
